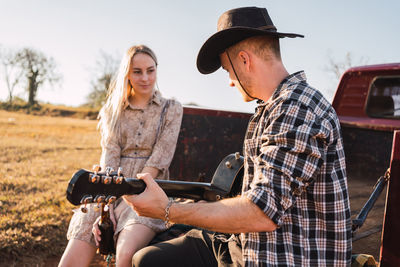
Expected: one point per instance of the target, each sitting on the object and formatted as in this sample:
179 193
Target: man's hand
151 202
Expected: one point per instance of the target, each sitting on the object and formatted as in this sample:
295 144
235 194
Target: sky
75 32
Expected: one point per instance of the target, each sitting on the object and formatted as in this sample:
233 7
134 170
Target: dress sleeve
290 157
164 148
111 152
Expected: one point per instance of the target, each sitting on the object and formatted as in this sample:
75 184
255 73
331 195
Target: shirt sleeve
111 152
164 148
290 156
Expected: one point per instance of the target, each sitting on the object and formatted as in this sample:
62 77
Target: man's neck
269 77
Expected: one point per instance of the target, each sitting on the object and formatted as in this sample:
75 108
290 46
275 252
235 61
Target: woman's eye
136 72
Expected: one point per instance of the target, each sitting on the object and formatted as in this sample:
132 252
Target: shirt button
138 134
136 145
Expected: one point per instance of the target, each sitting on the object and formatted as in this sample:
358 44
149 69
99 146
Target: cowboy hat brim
208 58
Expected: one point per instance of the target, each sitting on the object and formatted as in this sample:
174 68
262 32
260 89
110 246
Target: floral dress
144 138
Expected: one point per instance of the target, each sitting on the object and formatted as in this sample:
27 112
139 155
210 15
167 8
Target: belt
129 157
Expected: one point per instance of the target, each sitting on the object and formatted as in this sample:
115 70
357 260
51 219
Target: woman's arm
152 171
111 153
164 148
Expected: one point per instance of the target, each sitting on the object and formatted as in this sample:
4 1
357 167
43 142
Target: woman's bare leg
77 254
130 240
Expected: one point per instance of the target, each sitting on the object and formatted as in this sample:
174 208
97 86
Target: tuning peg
106 179
237 155
85 200
228 164
99 199
96 168
109 170
110 199
84 209
94 178
119 178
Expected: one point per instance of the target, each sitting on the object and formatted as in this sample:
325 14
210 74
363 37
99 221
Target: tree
37 69
106 67
12 74
338 68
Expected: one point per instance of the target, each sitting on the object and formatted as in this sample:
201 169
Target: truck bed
367 158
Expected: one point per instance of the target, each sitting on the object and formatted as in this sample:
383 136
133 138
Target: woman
139 130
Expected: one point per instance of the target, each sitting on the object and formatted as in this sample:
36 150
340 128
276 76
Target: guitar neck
183 189
92 187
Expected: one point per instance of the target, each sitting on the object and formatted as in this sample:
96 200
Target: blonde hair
118 94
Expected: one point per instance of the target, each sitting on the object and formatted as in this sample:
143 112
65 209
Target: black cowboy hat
234 26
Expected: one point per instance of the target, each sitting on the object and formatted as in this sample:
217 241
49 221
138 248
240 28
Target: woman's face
142 74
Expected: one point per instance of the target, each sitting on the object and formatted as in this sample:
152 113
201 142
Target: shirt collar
155 98
293 78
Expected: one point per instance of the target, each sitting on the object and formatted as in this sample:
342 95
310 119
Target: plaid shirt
295 172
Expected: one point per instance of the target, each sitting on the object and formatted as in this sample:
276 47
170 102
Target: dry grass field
38 155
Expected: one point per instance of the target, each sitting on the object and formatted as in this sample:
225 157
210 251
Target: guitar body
89 187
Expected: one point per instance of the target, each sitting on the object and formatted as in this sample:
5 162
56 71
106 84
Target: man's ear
244 58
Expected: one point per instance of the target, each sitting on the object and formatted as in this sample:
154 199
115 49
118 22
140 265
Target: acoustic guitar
105 187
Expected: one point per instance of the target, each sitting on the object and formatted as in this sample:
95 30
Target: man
294 207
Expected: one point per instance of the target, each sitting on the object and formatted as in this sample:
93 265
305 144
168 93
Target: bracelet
166 217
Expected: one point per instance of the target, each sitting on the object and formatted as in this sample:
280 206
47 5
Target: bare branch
105 68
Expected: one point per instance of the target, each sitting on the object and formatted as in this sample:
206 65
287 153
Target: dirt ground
359 192
98 261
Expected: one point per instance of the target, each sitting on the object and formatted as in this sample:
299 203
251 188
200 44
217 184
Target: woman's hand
96 230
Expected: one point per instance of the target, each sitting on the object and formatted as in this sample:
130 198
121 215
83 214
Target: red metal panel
390 256
205 138
215 112
354 85
351 96
370 123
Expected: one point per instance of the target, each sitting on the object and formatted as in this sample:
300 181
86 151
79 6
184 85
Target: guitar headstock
97 187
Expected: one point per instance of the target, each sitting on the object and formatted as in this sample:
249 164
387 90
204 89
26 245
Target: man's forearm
235 215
